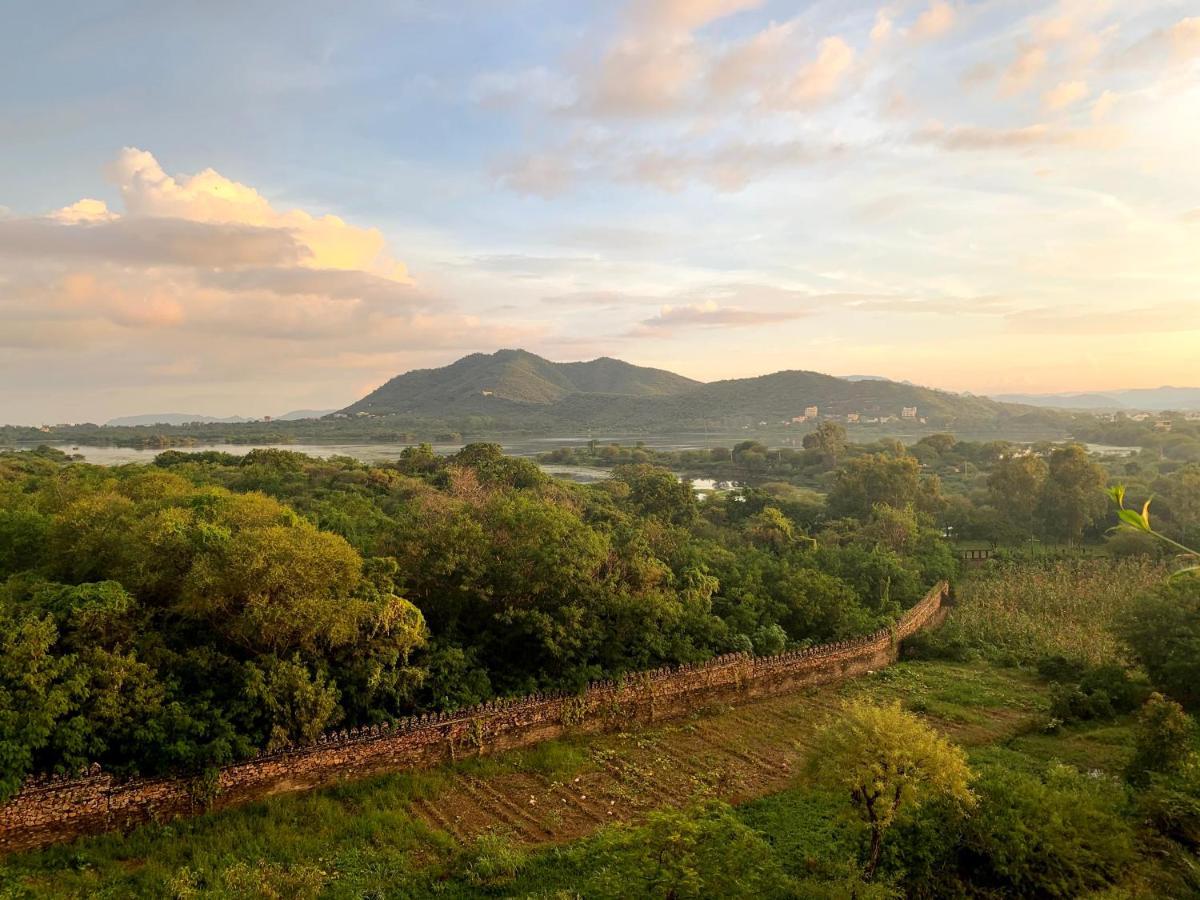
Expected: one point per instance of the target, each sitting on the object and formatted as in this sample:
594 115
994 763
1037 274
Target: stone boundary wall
59 809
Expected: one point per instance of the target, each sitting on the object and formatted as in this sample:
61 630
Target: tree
868 480
1015 488
1073 495
829 439
888 761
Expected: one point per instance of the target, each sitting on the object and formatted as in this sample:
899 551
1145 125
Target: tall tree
829 439
1015 488
1073 495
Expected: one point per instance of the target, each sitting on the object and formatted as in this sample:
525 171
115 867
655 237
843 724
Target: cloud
210 197
820 79
709 315
148 241
204 268
1024 70
1175 44
935 21
683 15
1064 94
1146 320
1103 106
974 138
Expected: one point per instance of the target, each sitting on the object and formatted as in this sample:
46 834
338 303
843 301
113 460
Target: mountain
172 419
303 414
1148 399
477 383
519 390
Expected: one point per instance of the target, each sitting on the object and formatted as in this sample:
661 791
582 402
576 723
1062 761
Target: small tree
1164 741
888 760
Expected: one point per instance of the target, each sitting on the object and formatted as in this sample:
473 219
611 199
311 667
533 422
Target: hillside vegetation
514 388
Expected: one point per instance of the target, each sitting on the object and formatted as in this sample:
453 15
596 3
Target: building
487 393
811 412
799 420
908 412
852 418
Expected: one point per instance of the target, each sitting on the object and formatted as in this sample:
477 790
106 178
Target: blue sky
986 196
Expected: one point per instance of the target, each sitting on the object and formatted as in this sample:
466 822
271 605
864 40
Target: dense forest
182 615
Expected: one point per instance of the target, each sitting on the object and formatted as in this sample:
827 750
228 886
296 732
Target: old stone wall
59 809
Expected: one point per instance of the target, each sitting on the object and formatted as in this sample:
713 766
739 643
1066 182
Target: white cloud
935 21
820 79
1064 94
1024 70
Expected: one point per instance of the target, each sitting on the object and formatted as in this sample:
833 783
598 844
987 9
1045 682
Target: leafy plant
1139 522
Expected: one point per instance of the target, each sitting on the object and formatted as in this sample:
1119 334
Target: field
1022 612
593 817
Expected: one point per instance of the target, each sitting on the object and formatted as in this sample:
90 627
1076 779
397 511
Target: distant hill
296 414
476 383
517 389
172 419
1148 399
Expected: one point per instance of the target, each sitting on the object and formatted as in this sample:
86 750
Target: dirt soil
737 753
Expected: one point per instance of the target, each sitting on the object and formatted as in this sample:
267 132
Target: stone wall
59 809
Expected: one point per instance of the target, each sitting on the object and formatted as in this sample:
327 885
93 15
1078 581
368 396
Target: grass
1022 613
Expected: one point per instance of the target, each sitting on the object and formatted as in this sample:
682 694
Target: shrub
1164 631
1164 741
1171 804
1057 837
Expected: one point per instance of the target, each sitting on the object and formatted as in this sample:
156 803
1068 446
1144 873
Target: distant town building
852 417
487 393
1140 417
799 420
908 412
1162 425
811 412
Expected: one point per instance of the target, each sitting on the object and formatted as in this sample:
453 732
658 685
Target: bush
934 645
1164 631
1164 741
1051 838
1171 804
1057 667
1070 704
1058 836
1097 693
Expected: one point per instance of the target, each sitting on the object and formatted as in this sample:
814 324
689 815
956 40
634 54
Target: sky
247 207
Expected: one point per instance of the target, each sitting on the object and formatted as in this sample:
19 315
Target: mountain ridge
1156 399
518 388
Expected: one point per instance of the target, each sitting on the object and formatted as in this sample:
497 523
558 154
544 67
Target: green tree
1015 488
879 478
888 761
1073 493
829 440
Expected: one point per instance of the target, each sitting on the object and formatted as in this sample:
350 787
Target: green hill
476 384
517 389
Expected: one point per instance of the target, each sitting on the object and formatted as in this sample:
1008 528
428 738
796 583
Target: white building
908 412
